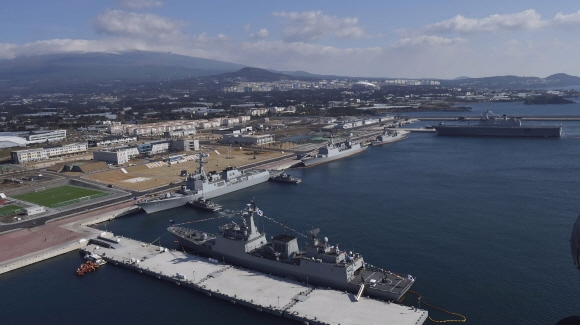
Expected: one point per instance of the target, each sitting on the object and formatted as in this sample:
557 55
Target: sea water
482 223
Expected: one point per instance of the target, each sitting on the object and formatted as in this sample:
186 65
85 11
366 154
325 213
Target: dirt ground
142 177
30 240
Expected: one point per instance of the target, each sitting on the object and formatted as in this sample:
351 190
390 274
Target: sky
392 39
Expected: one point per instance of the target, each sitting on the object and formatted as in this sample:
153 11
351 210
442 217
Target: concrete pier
261 292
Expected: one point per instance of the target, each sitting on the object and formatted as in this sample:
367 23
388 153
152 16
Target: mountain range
142 66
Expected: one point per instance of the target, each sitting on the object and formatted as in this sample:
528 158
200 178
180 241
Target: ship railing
401 276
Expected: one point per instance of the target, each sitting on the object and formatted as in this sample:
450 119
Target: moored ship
492 125
285 178
388 136
205 204
333 151
207 185
319 264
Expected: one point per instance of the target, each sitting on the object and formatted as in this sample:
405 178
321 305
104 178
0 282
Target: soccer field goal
39 189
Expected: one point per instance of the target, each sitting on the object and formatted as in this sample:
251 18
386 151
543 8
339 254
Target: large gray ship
205 185
492 125
332 151
319 264
388 136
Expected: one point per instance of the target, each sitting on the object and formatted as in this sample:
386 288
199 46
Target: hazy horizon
420 39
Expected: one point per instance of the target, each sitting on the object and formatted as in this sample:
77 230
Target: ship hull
388 139
487 131
170 203
255 180
321 160
165 204
307 273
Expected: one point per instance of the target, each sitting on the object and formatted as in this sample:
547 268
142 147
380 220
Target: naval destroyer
493 125
388 136
205 185
319 264
332 151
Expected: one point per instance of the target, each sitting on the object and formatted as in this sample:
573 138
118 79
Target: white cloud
246 27
138 4
527 19
262 33
427 40
566 21
205 40
314 25
121 23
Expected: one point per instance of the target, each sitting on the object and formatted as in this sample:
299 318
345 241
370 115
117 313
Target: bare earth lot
142 178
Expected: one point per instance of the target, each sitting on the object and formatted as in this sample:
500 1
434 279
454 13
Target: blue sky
413 39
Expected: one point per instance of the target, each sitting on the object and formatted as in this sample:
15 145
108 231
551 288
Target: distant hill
253 74
564 79
92 67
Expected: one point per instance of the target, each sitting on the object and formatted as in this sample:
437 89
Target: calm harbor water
483 224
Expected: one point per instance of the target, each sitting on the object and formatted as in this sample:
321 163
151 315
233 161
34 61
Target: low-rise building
46 136
257 111
37 154
112 141
180 133
116 156
184 145
247 139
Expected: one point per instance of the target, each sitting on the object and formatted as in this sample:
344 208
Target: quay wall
41 256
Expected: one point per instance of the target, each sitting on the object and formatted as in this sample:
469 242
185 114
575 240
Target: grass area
59 196
9 210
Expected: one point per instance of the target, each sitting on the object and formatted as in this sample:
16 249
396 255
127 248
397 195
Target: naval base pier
259 291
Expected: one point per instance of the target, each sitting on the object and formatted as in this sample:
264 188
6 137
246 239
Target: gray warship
388 136
332 151
492 125
319 264
207 185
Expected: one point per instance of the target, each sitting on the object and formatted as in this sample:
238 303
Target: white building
158 147
247 139
37 154
44 136
112 141
257 111
116 156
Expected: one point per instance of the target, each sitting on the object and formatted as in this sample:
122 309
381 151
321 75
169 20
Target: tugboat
319 263
285 178
205 204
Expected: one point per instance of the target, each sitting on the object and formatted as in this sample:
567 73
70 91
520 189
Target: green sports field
60 196
9 210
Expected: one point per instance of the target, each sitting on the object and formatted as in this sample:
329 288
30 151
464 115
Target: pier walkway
259 291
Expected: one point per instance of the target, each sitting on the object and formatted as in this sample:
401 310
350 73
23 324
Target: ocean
482 223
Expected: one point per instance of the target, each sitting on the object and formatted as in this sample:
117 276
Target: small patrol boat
285 178
205 204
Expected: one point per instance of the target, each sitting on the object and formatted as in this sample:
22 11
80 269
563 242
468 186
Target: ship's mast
201 170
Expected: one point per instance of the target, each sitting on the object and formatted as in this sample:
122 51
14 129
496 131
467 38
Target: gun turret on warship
319 264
